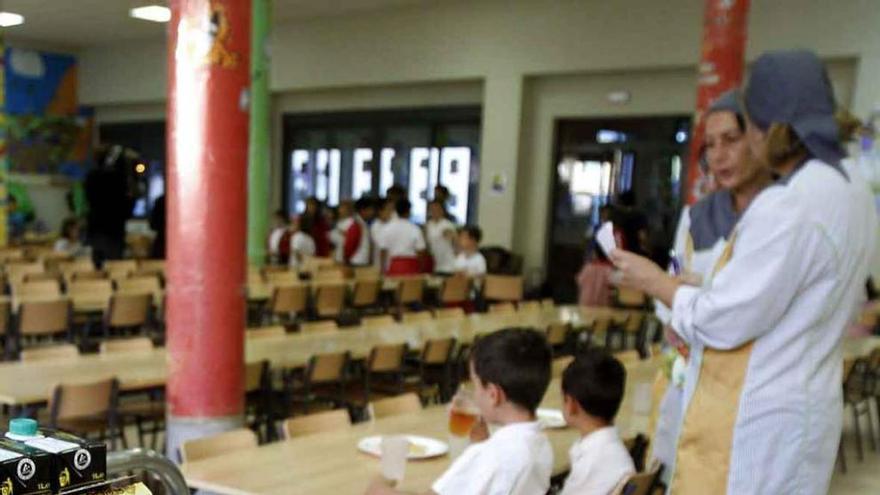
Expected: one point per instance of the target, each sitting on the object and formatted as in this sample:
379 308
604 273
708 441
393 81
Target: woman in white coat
763 406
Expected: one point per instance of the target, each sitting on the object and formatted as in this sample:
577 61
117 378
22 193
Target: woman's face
727 151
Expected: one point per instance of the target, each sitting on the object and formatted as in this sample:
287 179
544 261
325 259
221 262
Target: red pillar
208 75
721 68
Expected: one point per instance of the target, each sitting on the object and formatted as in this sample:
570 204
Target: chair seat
142 409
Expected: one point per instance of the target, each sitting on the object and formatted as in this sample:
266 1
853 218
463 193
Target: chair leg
841 455
858 428
870 426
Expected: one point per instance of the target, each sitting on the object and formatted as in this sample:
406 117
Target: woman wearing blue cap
763 406
702 236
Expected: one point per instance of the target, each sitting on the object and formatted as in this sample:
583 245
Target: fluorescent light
154 13
8 19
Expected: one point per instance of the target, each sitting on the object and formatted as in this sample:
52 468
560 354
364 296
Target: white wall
520 50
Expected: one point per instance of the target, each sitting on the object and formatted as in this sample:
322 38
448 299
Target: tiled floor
861 477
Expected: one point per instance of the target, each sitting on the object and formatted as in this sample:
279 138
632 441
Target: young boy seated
592 387
470 260
510 371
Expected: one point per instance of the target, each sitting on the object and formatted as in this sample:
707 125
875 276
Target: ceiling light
154 13
8 19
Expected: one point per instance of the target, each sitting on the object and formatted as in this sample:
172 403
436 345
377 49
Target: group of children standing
379 232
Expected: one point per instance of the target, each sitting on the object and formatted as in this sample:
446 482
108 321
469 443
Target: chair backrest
386 358
141 285
329 299
37 289
503 288
631 298
15 272
529 306
129 310
156 266
329 274
455 289
91 288
289 298
255 375
134 344
416 316
326 326
44 317
366 292
41 277
120 268
5 311
327 368
274 331
444 313
82 400
502 308
393 406
282 278
636 484
559 365
87 275
634 322
54 353
230 441
313 263
438 351
337 419
77 265
410 290
557 333
377 321
366 273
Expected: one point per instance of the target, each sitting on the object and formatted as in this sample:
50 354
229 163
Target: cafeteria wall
533 61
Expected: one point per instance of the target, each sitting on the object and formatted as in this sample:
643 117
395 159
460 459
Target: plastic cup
395 449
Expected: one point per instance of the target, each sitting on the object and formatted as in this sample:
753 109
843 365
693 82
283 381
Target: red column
721 68
208 75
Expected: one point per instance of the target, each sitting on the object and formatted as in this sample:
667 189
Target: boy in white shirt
510 371
470 260
592 387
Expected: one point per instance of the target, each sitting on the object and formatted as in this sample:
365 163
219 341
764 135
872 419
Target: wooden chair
366 293
87 408
635 326
15 272
455 290
507 288
435 369
128 312
90 289
630 298
41 277
448 313
394 406
141 285
416 317
41 318
329 275
377 321
327 326
86 275
502 308
410 291
547 303
637 484
150 267
288 302
367 273
120 267
61 353
37 289
271 332
385 371
337 419
557 336
257 385
222 443
324 381
529 306
329 300
313 264
282 278
131 345
77 265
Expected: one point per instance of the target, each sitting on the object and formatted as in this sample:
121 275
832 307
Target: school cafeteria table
329 463
257 292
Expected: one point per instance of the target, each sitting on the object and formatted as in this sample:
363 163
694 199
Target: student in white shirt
302 245
441 237
470 260
344 220
385 214
69 243
518 458
592 388
356 243
280 226
402 243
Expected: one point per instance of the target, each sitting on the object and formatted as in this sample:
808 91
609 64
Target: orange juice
461 421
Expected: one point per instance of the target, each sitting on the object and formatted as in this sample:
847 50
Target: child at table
510 371
592 389
470 260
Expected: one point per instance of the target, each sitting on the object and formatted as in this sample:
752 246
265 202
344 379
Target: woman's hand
639 273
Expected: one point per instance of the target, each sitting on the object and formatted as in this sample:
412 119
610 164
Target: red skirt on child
404 265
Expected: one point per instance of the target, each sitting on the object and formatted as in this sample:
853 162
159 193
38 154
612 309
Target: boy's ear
570 406
496 394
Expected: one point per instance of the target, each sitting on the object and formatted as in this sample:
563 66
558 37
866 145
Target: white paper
6 455
605 238
51 445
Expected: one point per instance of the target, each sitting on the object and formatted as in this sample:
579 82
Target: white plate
550 418
420 447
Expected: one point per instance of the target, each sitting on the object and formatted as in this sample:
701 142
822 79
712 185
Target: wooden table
29 383
257 292
329 463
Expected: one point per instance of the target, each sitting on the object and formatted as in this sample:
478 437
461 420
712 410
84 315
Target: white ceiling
80 23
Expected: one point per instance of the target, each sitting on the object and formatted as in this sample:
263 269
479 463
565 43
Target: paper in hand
605 238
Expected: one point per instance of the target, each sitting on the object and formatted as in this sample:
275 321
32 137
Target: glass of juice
463 413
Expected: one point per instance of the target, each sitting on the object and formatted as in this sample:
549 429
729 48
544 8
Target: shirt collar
592 442
516 430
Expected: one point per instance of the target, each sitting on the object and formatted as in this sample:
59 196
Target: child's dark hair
403 207
518 361
473 232
596 380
